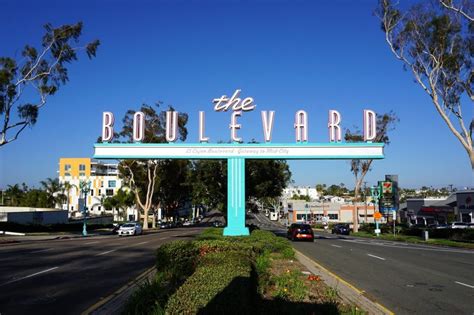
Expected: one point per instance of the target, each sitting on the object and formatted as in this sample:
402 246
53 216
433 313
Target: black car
341 229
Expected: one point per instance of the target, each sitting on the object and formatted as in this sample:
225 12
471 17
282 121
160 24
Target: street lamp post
306 207
85 187
374 191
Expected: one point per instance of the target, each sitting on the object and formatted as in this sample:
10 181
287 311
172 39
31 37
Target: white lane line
109 251
29 276
336 246
163 238
40 251
258 219
91 243
381 258
466 285
142 243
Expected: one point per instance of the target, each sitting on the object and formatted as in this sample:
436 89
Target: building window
82 167
101 183
109 192
67 167
92 192
67 174
333 216
100 192
112 183
82 174
99 208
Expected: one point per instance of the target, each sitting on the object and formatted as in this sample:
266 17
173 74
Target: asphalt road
407 279
68 276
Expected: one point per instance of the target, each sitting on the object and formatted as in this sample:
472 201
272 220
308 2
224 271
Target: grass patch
416 240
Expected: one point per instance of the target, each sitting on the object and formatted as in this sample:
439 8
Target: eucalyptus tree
142 175
27 83
435 42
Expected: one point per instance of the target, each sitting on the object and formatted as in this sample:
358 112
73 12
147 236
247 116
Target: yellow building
104 183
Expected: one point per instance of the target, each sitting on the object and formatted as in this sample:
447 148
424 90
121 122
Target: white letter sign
370 125
202 137
107 126
267 123
138 127
234 126
301 126
333 125
171 126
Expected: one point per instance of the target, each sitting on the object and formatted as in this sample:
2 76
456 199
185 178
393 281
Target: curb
348 292
113 303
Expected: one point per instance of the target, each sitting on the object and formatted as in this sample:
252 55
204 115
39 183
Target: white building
309 191
104 183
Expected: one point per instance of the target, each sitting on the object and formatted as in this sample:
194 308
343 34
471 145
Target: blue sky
287 55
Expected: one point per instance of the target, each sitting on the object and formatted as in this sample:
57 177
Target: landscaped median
234 275
463 238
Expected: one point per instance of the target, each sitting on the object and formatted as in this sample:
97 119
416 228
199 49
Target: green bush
146 300
223 283
178 259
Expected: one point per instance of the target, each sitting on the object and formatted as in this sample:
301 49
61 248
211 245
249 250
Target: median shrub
214 286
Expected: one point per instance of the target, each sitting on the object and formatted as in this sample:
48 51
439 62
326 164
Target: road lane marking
163 238
336 246
142 243
40 251
91 243
466 285
29 276
104 253
381 258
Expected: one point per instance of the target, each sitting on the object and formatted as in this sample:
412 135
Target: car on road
130 229
341 229
300 231
459 225
115 228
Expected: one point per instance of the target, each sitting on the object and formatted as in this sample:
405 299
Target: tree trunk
145 218
355 220
153 222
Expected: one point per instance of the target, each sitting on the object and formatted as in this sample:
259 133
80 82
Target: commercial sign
236 152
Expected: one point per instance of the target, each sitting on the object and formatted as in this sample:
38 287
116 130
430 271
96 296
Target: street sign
387 187
377 215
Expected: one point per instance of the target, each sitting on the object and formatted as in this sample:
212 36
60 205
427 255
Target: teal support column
236 198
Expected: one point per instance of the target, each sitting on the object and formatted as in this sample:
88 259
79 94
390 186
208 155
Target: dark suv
300 231
341 229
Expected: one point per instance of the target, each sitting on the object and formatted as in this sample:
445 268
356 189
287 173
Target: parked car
300 231
341 229
166 225
130 229
459 225
188 223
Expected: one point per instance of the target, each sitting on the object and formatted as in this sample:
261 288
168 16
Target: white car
459 225
130 229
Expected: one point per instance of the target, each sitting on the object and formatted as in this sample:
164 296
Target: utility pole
365 201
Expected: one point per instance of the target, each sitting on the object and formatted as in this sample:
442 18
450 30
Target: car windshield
128 225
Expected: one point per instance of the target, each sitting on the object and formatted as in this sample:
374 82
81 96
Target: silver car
130 229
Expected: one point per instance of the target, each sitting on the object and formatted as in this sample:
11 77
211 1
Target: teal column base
236 231
236 198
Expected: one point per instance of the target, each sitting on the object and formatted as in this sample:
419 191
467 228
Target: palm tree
67 186
54 190
14 194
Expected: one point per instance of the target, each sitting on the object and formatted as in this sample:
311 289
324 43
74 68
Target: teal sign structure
237 152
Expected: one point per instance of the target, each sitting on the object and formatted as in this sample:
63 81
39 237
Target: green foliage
177 258
37 74
146 300
51 195
213 287
289 286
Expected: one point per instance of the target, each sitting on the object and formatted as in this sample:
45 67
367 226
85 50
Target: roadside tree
435 41
26 83
142 175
